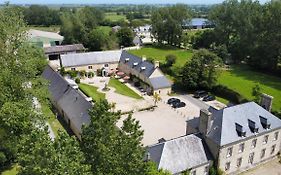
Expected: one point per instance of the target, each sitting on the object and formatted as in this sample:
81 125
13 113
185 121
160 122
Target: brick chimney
204 121
266 102
156 64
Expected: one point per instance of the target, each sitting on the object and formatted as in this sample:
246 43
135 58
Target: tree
151 169
167 23
106 147
156 98
98 40
256 92
170 60
201 71
125 37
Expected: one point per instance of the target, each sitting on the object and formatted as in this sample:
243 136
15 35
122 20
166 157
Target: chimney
156 64
143 58
204 121
266 102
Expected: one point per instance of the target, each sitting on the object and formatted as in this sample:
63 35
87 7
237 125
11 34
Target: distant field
242 80
47 29
160 53
114 17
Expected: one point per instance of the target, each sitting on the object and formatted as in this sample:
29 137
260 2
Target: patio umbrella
120 73
126 78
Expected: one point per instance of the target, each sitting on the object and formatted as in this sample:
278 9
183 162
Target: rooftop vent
240 130
253 127
135 64
264 122
127 59
161 140
143 68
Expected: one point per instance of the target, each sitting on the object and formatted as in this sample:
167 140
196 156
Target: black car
173 100
209 98
200 94
179 105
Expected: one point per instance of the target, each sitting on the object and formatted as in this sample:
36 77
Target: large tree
125 37
111 150
167 23
201 71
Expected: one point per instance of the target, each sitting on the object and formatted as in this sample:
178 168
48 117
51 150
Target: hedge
229 94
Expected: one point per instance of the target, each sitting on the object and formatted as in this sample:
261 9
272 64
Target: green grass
105 29
122 89
114 17
13 170
91 91
241 79
160 53
222 100
47 29
52 120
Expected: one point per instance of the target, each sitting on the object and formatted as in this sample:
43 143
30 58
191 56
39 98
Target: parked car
200 94
173 100
179 105
209 98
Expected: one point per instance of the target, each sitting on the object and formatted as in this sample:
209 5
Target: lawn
241 79
105 29
47 29
91 91
114 17
122 89
11 171
160 53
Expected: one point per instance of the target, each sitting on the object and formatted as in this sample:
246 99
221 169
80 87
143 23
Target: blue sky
115 1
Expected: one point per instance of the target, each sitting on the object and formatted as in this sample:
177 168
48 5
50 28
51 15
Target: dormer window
240 130
252 125
143 68
127 59
265 123
135 64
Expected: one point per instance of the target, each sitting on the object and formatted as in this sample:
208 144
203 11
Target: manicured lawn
222 100
122 89
11 171
242 80
114 17
91 91
160 53
47 29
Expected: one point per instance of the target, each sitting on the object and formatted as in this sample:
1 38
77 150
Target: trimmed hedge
229 94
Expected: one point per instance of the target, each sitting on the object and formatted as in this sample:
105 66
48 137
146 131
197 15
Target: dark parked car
209 98
179 105
173 100
200 94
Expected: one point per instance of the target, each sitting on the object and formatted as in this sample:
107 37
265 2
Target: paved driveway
272 167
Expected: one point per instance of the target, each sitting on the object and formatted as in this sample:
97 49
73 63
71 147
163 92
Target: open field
122 89
91 91
241 79
160 53
114 17
47 29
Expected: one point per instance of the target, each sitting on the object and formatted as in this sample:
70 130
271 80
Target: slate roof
38 33
80 59
223 129
159 82
71 101
179 154
64 48
149 67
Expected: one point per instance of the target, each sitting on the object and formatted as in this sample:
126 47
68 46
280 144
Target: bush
77 80
82 73
232 96
98 72
3 159
170 60
72 73
91 74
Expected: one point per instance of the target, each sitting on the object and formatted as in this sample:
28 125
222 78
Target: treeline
249 32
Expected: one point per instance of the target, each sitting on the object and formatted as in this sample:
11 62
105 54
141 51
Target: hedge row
229 94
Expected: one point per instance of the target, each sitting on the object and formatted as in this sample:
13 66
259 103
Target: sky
115 1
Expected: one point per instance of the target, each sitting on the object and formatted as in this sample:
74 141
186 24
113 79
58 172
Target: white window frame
252 144
229 152
90 67
73 69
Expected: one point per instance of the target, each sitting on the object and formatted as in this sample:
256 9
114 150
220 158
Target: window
262 153
229 152
241 147
73 69
251 158
276 136
106 65
90 67
206 170
265 139
227 166
254 143
239 162
193 172
272 149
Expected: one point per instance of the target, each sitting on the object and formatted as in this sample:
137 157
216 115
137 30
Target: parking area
272 167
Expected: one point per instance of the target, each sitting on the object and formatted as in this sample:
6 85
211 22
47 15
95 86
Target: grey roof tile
64 48
159 82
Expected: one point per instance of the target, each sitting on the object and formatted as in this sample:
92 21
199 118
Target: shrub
3 159
170 60
72 73
82 73
91 74
77 80
229 94
98 72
